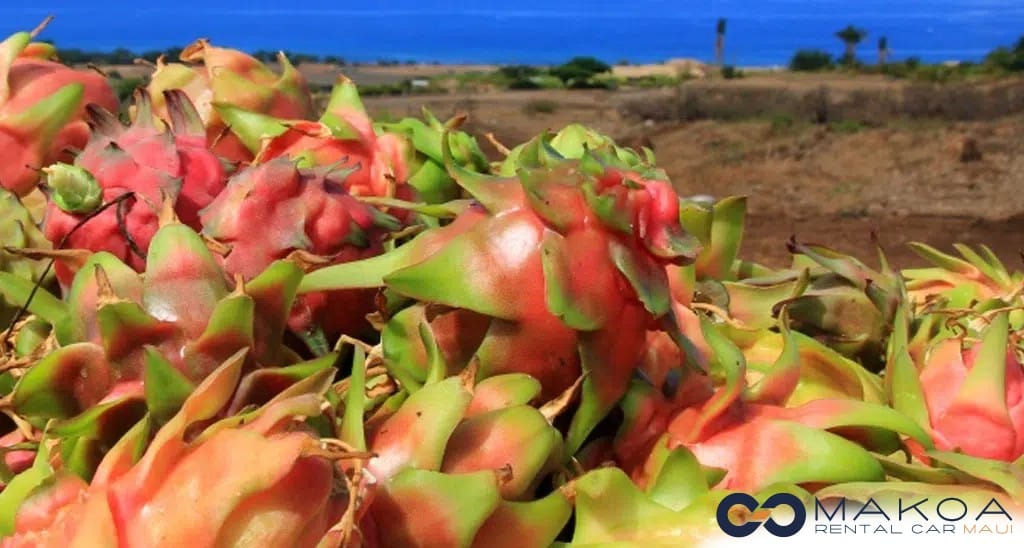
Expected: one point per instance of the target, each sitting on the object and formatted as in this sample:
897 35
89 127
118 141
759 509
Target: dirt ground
934 181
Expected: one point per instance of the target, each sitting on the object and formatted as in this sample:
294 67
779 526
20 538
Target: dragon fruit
978 275
454 463
305 211
970 396
421 145
18 230
344 136
556 271
572 141
753 433
214 75
151 164
126 343
678 509
42 108
259 478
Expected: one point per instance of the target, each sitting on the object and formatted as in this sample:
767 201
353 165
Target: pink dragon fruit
272 210
214 75
970 396
343 137
42 109
151 164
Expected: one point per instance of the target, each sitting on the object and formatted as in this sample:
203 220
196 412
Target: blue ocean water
760 32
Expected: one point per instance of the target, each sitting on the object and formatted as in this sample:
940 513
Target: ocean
759 32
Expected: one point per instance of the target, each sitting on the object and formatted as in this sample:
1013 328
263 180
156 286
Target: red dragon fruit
749 430
42 108
299 210
258 479
124 343
151 164
556 270
214 75
343 137
969 396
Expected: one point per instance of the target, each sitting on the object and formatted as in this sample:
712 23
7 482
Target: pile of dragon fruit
230 320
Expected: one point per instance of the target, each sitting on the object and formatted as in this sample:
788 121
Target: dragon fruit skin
454 462
563 266
213 75
126 343
42 110
276 489
970 397
154 165
18 229
343 137
959 422
751 431
299 210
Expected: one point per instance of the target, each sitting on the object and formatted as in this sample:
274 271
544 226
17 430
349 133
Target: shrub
579 71
808 60
730 72
124 87
1005 58
519 72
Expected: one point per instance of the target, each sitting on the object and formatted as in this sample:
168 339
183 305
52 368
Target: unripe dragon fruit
272 210
572 141
213 75
257 479
152 164
678 509
558 270
975 276
126 343
42 109
421 145
18 230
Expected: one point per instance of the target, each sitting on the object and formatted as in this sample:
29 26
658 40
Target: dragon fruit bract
561 268
343 137
222 75
42 109
271 210
152 164
182 491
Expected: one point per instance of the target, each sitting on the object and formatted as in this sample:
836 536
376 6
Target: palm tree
720 41
851 37
883 51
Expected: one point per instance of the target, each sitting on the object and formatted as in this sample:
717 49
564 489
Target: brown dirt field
830 184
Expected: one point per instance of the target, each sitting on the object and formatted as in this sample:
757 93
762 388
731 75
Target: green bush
519 72
548 81
1007 59
810 60
730 72
124 87
580 71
